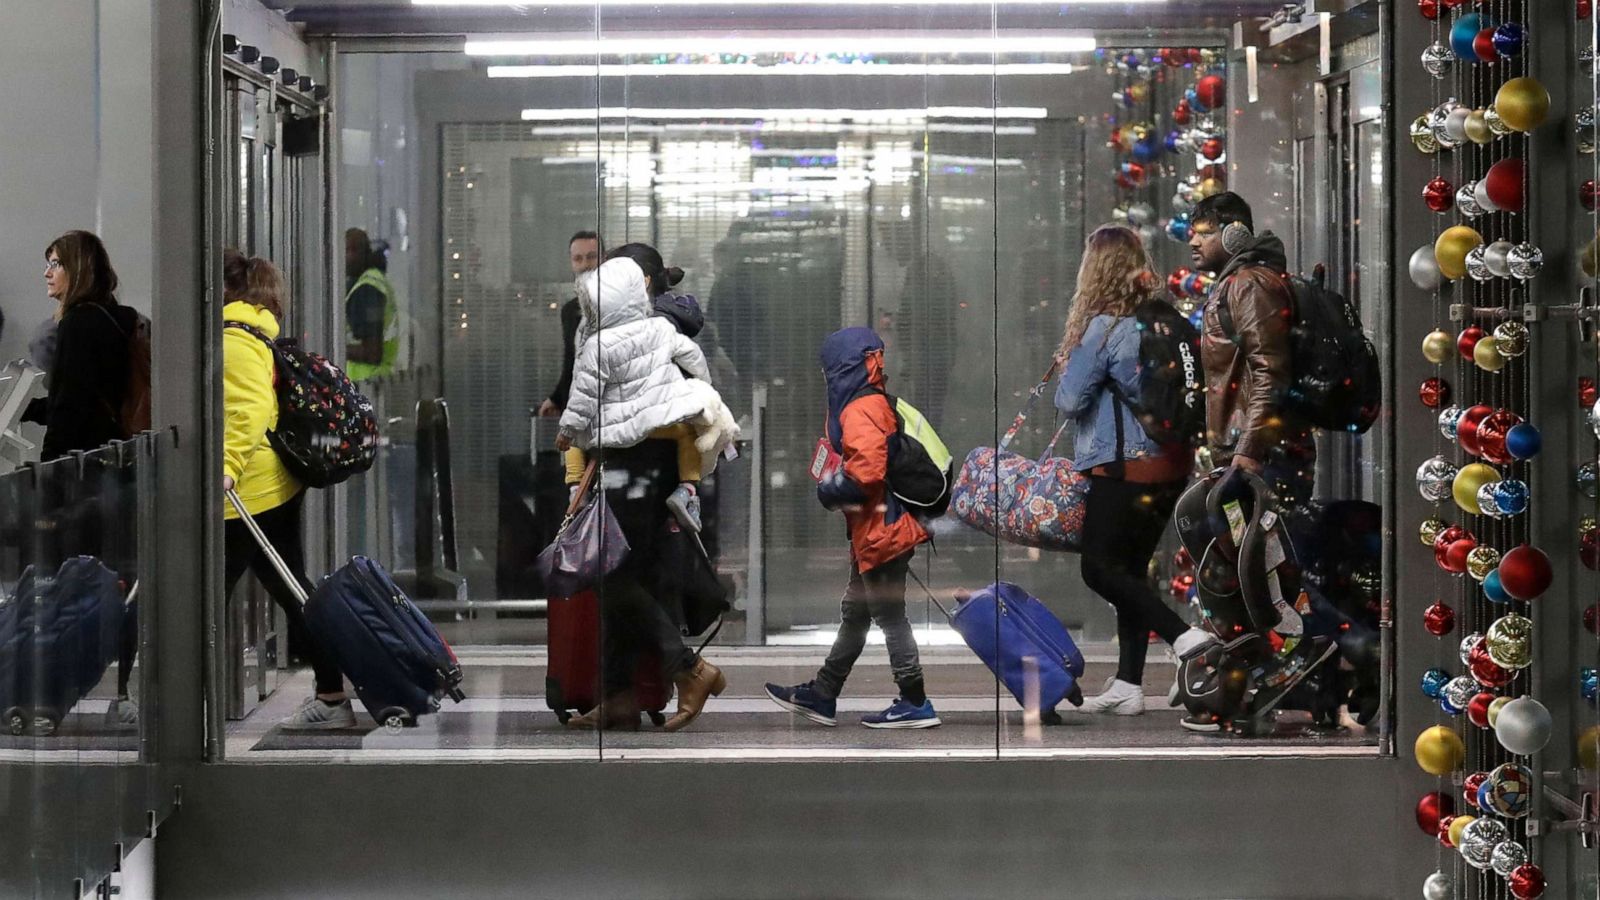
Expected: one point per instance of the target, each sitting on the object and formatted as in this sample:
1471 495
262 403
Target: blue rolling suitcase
392 655
58 635
1016 635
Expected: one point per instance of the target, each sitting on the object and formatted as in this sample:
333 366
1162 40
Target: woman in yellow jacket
253 291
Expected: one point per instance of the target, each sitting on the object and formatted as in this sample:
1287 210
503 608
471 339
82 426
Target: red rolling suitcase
572 677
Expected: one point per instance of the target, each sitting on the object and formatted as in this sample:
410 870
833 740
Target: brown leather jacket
1247 365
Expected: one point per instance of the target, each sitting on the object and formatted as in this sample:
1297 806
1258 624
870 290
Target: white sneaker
122 713
1118 699
315 715
1191 642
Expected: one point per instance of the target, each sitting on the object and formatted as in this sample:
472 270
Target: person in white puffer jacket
629 384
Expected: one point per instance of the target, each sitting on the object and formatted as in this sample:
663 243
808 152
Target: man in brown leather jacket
1245 349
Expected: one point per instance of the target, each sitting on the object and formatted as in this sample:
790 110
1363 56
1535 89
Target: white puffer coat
627 379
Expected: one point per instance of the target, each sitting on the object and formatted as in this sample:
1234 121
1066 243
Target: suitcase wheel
45 722
1050 717
394 718
658 718
17 721
563 715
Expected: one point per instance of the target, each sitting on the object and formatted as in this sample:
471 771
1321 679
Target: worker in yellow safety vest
372 318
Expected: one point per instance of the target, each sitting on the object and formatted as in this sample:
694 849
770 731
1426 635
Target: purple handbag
589 546
1035 503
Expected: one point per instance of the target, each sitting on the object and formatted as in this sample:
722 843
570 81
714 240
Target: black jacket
88 380
571 315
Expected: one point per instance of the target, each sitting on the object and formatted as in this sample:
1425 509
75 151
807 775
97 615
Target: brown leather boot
618 712
694 686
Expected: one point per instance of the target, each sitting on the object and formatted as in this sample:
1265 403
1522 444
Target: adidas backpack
1336 381
1171 406
327 430
921 468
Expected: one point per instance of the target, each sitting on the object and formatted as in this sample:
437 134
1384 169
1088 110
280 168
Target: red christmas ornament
1126 183
1441 544
1435 392
1432 809
1586 195
1492 435
1213 170
1212 148
1175 281
1589 549
1195 56
1428 8
1467 428
1585 8
1114 141
1444 830
1438 619
1503 184
1452 4
1486 671
1525 572
1439 194
1469 788
1527 882
1135 172
1587 392
1212 91
1455 558
1591 618
1182 114
1483 46
1468 340
1478 714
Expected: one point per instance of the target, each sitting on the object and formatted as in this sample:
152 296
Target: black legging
1122 525
281 524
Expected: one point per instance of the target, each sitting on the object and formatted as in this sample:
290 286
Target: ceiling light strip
866 42
833 115
649 70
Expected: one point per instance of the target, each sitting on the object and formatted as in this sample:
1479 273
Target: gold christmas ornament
1511 339
1477 128
1496 124
1451 250
1422 136
1467 481
1429 530
1510 641
1438 346
1486 353
1481 561
1523 104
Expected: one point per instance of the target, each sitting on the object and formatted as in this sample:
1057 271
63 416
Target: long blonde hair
1114 278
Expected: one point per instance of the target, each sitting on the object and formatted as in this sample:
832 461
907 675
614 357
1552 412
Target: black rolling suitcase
58 635
393 656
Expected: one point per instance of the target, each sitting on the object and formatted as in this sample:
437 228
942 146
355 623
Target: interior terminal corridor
777 449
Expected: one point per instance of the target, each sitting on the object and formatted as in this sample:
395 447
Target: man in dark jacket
584 251
1245 350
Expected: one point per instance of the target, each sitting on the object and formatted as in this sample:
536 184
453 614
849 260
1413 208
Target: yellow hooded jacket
250 410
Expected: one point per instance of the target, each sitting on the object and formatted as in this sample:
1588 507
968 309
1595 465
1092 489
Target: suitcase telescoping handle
289 578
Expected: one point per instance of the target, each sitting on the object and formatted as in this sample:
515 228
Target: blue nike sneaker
803 700
901 714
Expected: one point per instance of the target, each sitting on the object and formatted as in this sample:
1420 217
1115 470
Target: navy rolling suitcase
1016 636
392 655
58 635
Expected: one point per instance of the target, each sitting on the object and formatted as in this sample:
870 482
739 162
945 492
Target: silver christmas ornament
1449 417
1495 255
1507 855
1437 120
1468 644
1437 59
1458 693
1486 501
1511 339
1479 839
1496 124
1477 268
1525 260
1467 203
1588 480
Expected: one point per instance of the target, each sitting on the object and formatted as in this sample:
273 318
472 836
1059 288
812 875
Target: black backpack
1336 381
921 471
327 430
1171 406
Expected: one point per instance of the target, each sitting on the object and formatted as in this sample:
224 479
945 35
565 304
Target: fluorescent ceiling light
592 4
835 115
649 70
798 42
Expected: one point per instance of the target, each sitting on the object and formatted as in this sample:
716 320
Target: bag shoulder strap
1027 408
113 319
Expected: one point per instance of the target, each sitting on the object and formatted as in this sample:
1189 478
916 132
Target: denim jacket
1109 350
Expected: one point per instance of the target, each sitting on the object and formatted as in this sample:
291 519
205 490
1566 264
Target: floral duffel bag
1032 502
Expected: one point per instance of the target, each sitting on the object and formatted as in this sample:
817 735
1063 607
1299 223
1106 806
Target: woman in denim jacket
1134 486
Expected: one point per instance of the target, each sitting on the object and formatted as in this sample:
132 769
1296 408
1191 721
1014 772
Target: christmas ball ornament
1586 191
1422 135
1479 839
1508 791
1434 392
1526 882
1493 590
1485 671
1455 125
1480 198
1433 682
1429 531
1437 346
1439 194
1589 549
1467 425
1478 713
1449 421
1481 561
1182 114
1468 644
1432 807
1509 641
1455 556
1495 255
1439 750
1483 46
1493 429
1525 571
1175 281
1457 693
1464 34
1503 185
1467 204
1209 187
1457 826
1437 120
1212 91
1477 266
1589 748
1511 338
1438 886
1424 269
1487 355
1588 480
1447 537
1588 393
1141 214
1478 128
1438 619
1591 618
1583 122
1524 726
1495 708
1470 786
1435 478
1450 250
1179 229
1523 103
1589 684
1464 487
1584 8
1508 40
1506 857
1487 504
1525 260
1211 148
1467 341
1437 60
1444 830
1496 124
1511 495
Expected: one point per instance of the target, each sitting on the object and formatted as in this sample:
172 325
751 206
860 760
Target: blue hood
844 366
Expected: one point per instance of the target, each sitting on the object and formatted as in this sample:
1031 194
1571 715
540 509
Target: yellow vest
362 371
